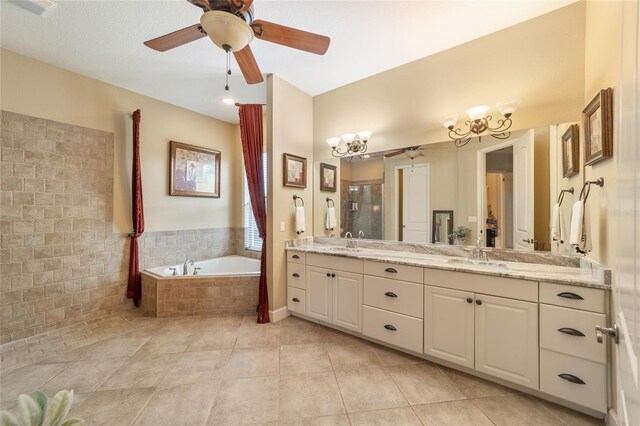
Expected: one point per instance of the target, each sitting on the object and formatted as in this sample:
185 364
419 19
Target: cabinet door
448 325
347 300
319 293
507 339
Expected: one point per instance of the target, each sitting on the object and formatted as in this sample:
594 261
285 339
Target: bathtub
227 266
225 285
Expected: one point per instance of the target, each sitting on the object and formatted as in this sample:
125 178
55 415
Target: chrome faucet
361 234
350 242
184 267
348 234
477 253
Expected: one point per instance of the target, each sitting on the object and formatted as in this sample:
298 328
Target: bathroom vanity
530 326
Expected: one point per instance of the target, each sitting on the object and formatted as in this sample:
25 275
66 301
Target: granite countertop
582 276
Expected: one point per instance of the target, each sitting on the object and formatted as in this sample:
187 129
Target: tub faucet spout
186 264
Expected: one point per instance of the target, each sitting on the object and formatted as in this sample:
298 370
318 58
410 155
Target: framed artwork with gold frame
194 171
597 120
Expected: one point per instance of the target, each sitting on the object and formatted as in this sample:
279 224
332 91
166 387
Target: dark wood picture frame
191 169
328 185
294 171
571 151
597 119
449 228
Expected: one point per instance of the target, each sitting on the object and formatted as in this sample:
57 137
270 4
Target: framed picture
570 151
597 120
194 171
295 171
328 176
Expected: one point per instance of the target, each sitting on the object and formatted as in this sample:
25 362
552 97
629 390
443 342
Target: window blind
252 240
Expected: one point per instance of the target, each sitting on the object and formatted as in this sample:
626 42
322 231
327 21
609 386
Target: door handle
391 271
390 294
295 299
296 275
390 327
569 295
612 332
571 378
571 331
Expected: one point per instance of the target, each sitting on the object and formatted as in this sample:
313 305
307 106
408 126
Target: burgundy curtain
134 289
251 133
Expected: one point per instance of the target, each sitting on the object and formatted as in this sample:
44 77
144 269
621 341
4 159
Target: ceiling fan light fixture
228 101
226 29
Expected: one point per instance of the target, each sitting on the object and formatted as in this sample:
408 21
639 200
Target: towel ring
561 196
586 188
329 200
296 198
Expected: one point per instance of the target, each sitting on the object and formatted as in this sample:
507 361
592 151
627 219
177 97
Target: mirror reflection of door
413 203
499 198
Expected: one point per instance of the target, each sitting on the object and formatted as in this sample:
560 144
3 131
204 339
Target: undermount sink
477 262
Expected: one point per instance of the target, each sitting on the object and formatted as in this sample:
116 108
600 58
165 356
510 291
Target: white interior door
523 192
415 204
627 295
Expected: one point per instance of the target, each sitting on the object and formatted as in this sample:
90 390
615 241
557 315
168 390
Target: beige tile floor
230 370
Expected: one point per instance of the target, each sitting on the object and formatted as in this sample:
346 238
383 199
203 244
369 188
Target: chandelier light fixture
354 144
479 122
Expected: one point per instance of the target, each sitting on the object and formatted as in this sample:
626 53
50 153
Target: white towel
580 236
331 218
300 226
558 228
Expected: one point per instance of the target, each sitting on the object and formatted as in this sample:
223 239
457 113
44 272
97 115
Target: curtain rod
238 104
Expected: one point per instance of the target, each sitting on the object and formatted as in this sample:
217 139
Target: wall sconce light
479 122
353 144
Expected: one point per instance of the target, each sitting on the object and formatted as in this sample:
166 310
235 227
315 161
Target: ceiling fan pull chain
228 71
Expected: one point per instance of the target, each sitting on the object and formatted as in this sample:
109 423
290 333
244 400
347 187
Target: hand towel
563 227
555 223
300 226
577 213
331 218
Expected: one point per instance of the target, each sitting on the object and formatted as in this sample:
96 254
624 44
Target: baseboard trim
279 314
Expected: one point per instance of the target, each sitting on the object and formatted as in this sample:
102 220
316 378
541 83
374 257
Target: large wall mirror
504 188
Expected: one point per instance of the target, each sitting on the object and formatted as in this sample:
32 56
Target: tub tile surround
218 385
558 268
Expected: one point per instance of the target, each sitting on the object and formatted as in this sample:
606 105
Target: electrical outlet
473 219
281 226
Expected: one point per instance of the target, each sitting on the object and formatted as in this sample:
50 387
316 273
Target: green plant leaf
59 407
30 410
7 419
72 422
42 400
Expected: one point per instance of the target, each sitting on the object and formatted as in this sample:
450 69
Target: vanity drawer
397 296
295 257
578 336
396 329
296 300
295 275
587 299
510 288
335 263
397 272
590 389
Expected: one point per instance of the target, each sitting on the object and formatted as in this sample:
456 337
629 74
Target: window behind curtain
252 240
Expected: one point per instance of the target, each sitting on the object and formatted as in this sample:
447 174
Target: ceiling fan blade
176 38
243 5
203 4
291 37
393 153
248 65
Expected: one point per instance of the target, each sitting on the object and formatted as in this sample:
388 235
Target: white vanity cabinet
468 322
334 295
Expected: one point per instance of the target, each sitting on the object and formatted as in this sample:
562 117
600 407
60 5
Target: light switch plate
473 219
281 226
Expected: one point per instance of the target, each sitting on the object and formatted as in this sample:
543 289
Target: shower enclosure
361 208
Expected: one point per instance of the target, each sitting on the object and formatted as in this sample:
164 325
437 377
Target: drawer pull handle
295 299
571 378
571 331
569 295
390 294
296 275
390 327
391 271
295 256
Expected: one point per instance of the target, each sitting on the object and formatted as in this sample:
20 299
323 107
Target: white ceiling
103 40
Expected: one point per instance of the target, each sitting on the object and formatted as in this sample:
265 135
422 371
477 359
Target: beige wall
540 61
289 130
34 88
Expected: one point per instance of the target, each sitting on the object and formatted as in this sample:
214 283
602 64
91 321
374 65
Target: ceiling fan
411 152
230 25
